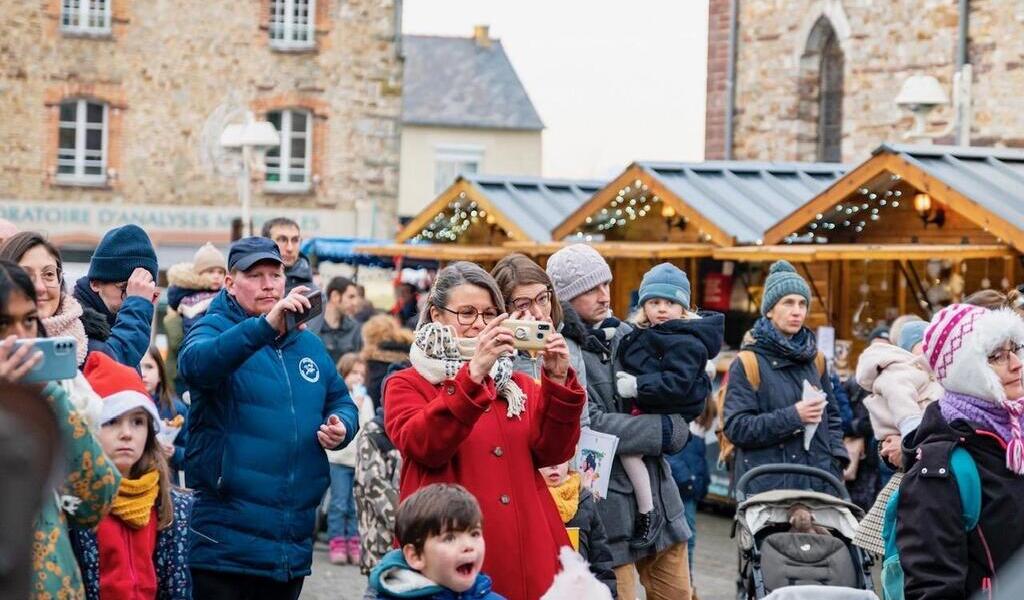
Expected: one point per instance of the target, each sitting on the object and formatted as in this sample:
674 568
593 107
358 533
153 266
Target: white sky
613 80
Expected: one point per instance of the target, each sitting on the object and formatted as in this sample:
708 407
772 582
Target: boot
354 551
646 529
338 552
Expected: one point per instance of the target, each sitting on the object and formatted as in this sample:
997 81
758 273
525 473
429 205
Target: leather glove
625 384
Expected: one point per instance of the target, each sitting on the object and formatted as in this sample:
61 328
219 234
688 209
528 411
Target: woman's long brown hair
163 389
517 269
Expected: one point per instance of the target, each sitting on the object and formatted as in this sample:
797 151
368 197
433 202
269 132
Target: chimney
482 35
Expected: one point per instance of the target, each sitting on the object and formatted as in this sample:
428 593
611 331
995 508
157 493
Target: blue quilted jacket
252 454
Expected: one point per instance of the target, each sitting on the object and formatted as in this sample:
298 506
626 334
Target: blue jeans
690 511
341 513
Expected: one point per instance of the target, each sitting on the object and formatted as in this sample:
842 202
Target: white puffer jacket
901 386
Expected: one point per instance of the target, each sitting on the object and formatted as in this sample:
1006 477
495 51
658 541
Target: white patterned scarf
435 355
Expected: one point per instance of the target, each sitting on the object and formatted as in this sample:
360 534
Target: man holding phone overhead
266 402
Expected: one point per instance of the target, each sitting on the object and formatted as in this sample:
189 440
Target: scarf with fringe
436 356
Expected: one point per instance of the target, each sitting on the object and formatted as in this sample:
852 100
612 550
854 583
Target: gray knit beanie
782 281
577 269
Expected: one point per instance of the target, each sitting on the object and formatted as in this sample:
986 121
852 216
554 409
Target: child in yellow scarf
135 552
578 510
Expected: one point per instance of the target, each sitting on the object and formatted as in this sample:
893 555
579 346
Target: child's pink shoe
354 550
338 551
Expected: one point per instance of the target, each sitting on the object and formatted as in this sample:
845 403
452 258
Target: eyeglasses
124 289
522 304
50 277
1001 357
468 314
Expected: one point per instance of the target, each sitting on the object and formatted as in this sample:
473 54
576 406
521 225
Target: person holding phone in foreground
266 402
91 481
461 414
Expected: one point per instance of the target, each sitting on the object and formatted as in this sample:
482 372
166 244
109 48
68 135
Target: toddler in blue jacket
441 549
663 361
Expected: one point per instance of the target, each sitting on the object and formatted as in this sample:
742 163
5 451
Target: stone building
817 79
113 109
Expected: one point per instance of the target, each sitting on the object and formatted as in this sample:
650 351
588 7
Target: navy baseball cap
246 252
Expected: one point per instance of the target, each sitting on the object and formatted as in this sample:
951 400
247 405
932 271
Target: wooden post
899 286
694 281
843 328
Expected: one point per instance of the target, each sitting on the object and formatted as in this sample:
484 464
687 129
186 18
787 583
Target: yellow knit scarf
567 497
135 499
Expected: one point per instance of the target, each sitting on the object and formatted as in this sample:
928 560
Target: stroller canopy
772 508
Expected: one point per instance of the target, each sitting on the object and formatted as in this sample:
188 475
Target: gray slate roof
534 204
991 177
455 82
742 198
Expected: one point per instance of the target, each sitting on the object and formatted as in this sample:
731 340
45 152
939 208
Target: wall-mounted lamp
928 210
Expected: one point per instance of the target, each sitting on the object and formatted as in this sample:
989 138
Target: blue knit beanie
782 281
912 334
665 281
120 252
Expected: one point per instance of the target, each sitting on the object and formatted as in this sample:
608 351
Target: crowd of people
196 470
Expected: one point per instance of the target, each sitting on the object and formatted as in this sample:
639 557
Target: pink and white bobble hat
958 342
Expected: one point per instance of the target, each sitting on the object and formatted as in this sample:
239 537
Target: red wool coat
459 432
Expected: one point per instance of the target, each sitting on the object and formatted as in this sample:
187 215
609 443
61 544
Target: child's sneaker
338 551
354 551
646 530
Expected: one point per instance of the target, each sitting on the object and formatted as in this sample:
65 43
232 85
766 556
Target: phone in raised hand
60 359
316 308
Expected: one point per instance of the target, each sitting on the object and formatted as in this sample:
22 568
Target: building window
292 24
82 143
85 16
830 101
288 165
452 161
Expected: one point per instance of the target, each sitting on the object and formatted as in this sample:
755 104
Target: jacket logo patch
308 370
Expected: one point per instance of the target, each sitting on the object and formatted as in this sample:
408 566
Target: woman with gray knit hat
663 371
121 286
767 424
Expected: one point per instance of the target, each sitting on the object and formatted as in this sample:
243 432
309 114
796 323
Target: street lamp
253 138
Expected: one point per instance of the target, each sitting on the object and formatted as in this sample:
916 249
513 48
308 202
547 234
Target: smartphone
529 335
60 359
316 308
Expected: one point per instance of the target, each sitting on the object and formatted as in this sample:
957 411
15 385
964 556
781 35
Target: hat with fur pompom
958 342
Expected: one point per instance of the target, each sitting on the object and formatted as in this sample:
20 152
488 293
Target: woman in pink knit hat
953 536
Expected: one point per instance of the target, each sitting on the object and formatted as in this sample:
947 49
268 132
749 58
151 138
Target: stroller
773 558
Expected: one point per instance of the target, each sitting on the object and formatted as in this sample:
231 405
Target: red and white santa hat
121 388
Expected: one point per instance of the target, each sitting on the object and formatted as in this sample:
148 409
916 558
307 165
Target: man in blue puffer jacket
266 402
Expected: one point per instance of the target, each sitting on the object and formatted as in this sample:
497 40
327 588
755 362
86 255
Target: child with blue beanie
663 371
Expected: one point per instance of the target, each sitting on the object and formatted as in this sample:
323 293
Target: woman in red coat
460 415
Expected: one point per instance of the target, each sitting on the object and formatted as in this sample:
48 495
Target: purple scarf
1001 418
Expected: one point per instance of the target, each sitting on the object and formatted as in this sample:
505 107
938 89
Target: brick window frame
322 24
319 111
110 95
119 20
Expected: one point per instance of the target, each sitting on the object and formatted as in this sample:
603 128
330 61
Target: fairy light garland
865 208
455 220
632 202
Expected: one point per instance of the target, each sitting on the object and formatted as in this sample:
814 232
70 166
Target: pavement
714 567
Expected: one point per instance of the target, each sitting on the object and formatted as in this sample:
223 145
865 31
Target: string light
630 202
455 220
843 217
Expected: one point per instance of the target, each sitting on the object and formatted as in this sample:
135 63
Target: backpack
748 359
968 482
